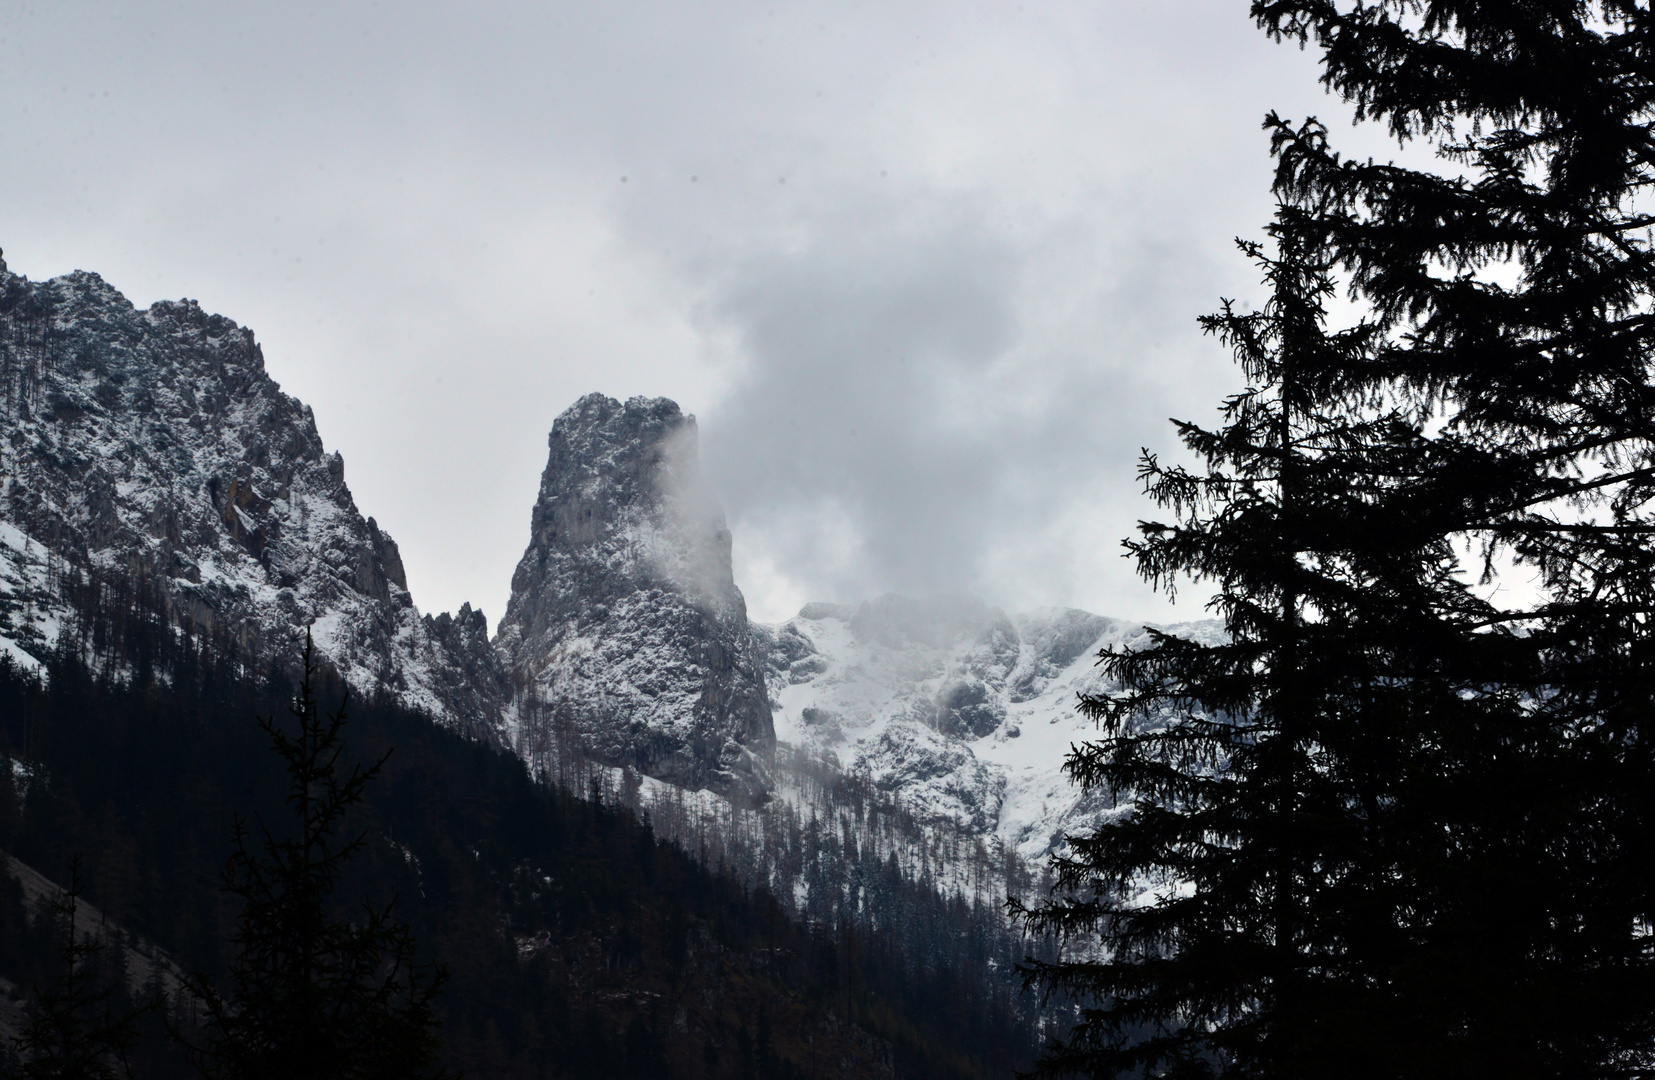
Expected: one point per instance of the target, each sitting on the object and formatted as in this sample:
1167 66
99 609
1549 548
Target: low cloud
930 408
928 272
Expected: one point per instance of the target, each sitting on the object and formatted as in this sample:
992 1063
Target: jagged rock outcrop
472 677
625 631
151 449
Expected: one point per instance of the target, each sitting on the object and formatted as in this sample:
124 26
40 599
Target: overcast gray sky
927 273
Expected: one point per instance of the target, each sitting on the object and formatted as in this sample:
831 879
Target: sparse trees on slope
311 995
77 1027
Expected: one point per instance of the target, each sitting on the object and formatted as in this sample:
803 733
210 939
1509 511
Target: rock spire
625 632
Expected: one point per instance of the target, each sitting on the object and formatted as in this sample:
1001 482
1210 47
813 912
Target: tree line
306 993
577 940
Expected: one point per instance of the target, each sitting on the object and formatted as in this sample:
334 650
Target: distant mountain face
955 709
625 630
151 447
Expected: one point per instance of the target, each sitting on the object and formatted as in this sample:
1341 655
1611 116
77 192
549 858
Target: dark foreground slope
580 945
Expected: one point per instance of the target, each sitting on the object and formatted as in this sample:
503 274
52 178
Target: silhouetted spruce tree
1239 920
1516 286
79 1025
1484 763
311 995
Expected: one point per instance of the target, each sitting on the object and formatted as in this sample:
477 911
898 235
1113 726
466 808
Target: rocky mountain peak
150 448
625 630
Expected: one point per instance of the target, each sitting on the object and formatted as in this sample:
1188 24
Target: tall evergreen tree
309 994
1243 901
1516 286
1453 875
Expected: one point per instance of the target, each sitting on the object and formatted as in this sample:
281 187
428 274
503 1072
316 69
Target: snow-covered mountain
959 711
147 454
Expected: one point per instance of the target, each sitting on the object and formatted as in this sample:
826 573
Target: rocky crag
149 450
625 631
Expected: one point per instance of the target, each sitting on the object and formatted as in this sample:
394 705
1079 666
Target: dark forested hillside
579 943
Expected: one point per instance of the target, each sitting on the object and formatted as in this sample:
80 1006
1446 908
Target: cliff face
625 630
150 448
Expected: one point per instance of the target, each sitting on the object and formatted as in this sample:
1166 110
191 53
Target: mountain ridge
149 451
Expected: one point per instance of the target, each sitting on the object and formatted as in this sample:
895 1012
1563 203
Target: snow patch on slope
30 617
962 713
